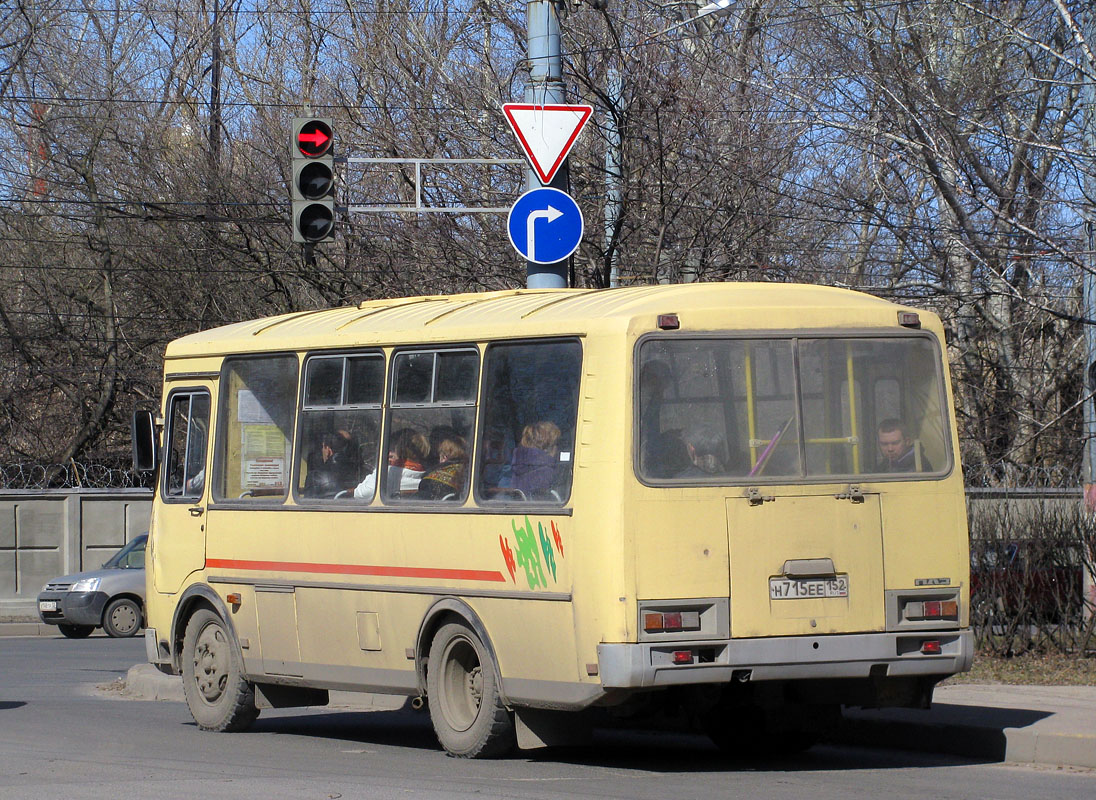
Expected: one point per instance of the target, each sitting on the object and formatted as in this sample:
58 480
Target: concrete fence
50 532
45 533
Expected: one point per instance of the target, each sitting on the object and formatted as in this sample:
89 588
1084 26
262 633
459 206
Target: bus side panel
925 540
340 597
680 555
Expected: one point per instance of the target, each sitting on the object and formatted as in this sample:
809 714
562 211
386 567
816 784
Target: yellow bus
741 502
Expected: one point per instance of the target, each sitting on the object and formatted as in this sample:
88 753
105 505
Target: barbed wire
997 476
73 475
92 475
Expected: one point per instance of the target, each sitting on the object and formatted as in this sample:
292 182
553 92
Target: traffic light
313 189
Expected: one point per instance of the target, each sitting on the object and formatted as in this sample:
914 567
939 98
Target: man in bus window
331 467
900 452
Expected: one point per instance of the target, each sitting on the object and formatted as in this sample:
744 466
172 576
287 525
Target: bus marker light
234 599
668 322
909 319
683 657
931 647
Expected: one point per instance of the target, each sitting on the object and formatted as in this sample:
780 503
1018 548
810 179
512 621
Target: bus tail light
932 609
931 647
683 656
659 622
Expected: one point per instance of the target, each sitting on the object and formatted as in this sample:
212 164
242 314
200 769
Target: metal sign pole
545 87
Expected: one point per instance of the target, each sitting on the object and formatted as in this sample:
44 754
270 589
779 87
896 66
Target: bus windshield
738 410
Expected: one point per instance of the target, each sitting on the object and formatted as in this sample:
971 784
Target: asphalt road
62 737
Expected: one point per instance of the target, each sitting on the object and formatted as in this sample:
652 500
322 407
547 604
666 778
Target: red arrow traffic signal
314 138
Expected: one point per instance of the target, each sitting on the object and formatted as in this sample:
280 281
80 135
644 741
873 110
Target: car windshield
132 556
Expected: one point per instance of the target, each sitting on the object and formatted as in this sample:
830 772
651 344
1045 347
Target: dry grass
1032 670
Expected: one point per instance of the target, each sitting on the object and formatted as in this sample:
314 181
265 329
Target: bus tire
465 705
219 697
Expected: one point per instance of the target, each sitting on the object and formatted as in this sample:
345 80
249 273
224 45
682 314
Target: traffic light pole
1088 272
545 87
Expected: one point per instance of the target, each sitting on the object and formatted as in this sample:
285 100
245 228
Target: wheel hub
124 618
210 664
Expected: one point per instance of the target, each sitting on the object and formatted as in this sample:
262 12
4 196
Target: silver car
112 597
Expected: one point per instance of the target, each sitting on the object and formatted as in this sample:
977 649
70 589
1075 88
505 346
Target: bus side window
431 424
187 437
339 425
255 429
530 406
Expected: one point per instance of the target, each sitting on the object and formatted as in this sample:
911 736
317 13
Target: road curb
991 743
28 629
145 682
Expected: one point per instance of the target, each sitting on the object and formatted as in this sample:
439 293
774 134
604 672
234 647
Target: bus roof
541 312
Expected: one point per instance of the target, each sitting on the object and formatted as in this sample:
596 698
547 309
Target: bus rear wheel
465 705
219 697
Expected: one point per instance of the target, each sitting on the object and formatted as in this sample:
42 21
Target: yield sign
546 133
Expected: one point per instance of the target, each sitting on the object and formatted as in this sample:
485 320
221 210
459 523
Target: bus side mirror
143 432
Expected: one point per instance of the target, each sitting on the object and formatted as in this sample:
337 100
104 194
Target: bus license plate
47 605
789 589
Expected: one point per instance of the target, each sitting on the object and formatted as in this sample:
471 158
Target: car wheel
219 697
465 706
76 631
122 618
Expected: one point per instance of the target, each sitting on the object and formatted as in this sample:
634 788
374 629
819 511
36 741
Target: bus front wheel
216 692
465 705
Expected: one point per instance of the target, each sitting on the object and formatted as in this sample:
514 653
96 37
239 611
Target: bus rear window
739 410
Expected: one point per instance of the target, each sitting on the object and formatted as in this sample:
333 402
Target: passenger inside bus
446 480
534 463
331 465
406 456
665 454
704 445
899 450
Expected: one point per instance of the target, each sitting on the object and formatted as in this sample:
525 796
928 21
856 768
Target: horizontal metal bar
428 210
518 161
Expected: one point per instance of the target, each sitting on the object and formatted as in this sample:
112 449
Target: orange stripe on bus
358 569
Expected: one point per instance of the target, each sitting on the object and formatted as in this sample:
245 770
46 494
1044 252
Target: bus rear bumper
861 655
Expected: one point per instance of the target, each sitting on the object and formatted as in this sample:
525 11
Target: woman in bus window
408 450
533 464
446 480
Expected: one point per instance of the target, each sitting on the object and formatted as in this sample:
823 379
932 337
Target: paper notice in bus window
264 473
264 457
250 410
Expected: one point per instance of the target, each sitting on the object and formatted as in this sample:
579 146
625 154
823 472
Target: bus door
177 537
805 564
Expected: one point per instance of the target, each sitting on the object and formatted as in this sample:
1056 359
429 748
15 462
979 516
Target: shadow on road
7 705
619 749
